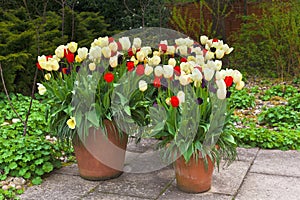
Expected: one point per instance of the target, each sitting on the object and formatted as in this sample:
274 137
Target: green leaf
92 117
13 165
37 181
47 167
127 110
39 171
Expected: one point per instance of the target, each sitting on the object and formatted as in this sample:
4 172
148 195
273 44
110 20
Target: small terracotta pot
100 157
192 177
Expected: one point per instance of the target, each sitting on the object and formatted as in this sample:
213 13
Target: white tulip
92 66
221 93
203 39
41 88
103 41
95 53
82 53
158 71
240 85
60 51
72 46
168 71
219 53
196 75
113 61
137 43
143 85
181 97
172 62
208 73
113 46
106 52
125 43
148 70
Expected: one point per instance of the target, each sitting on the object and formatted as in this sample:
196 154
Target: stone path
256 174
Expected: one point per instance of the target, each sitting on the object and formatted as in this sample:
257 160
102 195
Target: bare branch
130 10
8 98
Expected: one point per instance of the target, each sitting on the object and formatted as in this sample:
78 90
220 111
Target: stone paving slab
59 187
106 196
246 154
286 163
263 186
148 185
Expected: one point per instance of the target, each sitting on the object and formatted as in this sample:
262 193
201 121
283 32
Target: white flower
197 51
125 43
203 39
209 55
200 60
219 75
41 88
137 43
221 84
148 70
60 51
170 50
237 76
15 120
221 93
113 46
53 64
240 85
47 76
181 96
172 62
182 50
180 42
106 52
82 53
158 71
164 42
219 53
71 123
188 42
218 65
208 73
168 71
72 46
184 79
95 53
92 66
155 60
147 50
143 85
196 75
140 56
113 61
186 67
103 41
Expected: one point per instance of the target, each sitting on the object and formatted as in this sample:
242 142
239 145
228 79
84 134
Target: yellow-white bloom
95 53
170 50
125 43
103 41
137 43
60 51
106 52
181 96
158 71
196 75
184 79
197 51
172 62
200 60
188 42
180 42
182 50
113 46
219 53
221 93
92 66
143 85
82 53
208 73
147 50
113 61
140 56
41 88
53 64
155 60
237 76
240 85
218 65
78 59
221 84
168 71
47 76
186 67
71 123
148 70
168 101
72 46
203 39
209 55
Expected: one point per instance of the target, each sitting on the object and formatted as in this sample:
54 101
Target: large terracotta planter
100 157
192 177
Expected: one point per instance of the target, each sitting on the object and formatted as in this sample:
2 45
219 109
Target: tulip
196 75
240 85
47 76
203 39
158 71
92 66
182 50
106 52
180 42
184 79
113 46
95 53
113 61
221 93
174 101
71 123
72 46
221 84
148 70
137 43
155 60
170 50
219 53
53 64
181 96
172 62
59 51
41 88
209 55
146 50
143 85
208 73
168 71
188 42
125 43
103 41
140 56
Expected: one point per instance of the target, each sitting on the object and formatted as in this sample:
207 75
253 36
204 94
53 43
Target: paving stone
105 196
148 185
68 170
142 146
59 187
277 162
263 186
174 193
228 180
246 154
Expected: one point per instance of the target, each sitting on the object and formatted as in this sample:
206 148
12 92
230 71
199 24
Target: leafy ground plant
242 99
285 91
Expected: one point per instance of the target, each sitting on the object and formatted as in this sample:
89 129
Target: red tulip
174 101
140 69
130 65
109 77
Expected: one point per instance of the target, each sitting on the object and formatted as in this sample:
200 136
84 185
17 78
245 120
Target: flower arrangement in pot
190 109
78 86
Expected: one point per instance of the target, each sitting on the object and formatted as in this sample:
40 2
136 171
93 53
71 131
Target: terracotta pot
100 157
192 177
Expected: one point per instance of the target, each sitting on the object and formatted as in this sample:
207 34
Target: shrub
285 91
241 99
